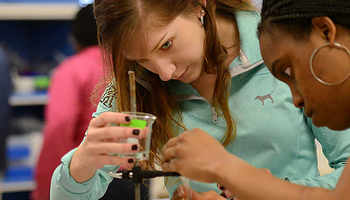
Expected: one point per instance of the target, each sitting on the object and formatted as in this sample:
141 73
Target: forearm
248 182
328 181
78 171
64 187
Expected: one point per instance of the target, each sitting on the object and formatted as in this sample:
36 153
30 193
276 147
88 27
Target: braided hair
294 16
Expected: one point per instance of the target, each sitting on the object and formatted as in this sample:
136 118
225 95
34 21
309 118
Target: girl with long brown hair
197 65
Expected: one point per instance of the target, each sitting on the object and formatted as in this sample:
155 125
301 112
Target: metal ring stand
137 175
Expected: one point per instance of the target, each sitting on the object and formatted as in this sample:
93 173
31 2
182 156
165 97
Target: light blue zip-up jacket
271 132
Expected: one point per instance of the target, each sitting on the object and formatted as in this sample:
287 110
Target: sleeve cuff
67 183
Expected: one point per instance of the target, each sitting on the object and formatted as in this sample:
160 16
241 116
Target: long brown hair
121 22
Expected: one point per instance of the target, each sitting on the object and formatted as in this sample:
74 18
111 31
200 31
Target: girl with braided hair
197 65
305 44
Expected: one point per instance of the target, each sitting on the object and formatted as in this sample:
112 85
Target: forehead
273 44
147 39
143 43
276 43
142 40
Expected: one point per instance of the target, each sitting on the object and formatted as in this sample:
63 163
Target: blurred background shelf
35 36
38 11
17 186
30 99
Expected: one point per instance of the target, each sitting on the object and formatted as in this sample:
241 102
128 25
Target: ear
200 13
326 28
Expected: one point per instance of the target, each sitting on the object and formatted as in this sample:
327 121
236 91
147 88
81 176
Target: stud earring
202 17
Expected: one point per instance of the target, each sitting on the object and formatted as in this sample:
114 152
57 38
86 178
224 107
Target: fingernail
127 118
134 147
136 132
223 195
131 160
222 188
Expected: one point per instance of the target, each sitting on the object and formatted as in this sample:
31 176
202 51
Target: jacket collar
249 55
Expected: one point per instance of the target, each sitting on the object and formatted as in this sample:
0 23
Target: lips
308 113
183 74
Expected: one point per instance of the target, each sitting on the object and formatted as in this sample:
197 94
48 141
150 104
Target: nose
164 68
298 100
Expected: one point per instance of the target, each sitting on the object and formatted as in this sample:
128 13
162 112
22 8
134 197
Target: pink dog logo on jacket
263 98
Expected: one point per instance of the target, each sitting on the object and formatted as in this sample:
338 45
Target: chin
186 81
323 121
339 125
189 79
333 124
317 123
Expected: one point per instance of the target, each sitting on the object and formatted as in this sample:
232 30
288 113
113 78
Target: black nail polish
134 147
127 118
223 195
131 160
136 132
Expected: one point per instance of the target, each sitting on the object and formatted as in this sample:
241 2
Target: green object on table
136 123
41 82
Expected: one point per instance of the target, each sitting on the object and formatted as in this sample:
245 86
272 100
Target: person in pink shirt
75 85
69 108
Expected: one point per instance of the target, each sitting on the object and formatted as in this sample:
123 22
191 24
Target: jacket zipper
214 114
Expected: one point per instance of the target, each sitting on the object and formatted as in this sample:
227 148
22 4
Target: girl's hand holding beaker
101 141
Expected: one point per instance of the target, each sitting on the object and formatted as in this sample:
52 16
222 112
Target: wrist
230 170
78 171
219 168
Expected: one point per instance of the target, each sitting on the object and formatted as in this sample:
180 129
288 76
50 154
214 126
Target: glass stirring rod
132 83
132 91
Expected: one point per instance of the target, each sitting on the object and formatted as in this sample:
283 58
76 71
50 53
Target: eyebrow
153 50
156 47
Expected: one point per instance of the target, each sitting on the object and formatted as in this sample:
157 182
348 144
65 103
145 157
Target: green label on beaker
136 123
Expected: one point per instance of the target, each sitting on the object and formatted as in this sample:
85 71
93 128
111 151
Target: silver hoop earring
312 58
